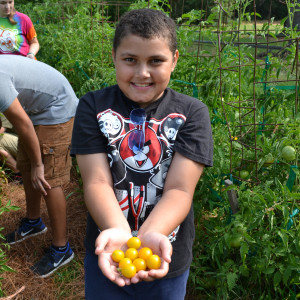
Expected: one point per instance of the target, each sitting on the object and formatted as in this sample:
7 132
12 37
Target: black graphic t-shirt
174 123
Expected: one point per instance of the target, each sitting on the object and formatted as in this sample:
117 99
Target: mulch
68 282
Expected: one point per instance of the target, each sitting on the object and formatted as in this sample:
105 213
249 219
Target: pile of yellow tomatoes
135 258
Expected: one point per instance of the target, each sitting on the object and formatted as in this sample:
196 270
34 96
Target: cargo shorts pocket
56 158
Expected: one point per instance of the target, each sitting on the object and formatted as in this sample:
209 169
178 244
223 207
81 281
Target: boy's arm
176 201
24 127
105 210
99 194
170 211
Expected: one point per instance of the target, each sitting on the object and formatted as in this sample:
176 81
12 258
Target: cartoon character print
170 126
146 158
148 165
110 123
8 39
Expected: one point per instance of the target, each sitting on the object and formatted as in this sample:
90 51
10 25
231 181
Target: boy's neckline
151 105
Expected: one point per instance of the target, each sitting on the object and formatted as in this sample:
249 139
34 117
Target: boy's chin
144 102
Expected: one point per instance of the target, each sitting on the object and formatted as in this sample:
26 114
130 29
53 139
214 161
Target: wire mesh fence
243 66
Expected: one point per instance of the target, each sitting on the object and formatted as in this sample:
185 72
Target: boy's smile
143 67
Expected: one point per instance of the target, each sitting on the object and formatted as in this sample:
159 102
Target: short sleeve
87 137
8 92
28 30
194 140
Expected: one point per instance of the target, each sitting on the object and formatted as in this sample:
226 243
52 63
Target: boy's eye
156 61
129 59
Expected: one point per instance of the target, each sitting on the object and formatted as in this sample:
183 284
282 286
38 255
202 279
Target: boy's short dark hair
146 23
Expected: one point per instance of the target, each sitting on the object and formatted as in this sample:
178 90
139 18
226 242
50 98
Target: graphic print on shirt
8 39
139 175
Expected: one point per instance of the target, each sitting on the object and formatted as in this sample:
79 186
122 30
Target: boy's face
143 68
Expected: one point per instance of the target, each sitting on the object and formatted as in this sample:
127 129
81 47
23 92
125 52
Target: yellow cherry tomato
134 242
140 264
153 262
125 261
145 252
128 271
131 253
117 255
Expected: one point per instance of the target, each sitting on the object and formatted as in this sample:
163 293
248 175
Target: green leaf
283 20
244 270
269 270
277 278
231 280
7 268
284 238
286 275
256 13
244 251
295 196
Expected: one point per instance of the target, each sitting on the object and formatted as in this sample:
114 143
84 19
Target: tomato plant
269 160
288 153
236 240
244 174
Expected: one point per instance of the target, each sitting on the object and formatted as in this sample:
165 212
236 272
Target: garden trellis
243 68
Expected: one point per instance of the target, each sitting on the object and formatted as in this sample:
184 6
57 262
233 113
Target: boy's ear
175 59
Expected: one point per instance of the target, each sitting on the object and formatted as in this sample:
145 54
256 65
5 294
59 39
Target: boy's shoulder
182 99
103 92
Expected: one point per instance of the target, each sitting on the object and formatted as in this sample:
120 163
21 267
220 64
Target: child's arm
173 207
104 208
24 127
99 194
175 204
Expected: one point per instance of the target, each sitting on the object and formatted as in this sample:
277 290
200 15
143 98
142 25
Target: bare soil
68 282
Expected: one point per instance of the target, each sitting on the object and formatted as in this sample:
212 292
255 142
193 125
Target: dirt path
68 282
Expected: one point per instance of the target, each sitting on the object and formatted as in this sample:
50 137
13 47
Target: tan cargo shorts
55 144
9 143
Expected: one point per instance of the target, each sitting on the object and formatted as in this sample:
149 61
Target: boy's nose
143 70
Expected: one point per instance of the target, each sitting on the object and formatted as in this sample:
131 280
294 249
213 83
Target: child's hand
108 241
161 246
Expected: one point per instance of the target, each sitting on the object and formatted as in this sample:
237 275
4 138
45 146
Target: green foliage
3 260
254 251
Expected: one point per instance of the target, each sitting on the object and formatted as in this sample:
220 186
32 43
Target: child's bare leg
56 204
33 197
9 160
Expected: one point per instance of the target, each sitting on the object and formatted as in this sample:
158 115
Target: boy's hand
161 246
108 241
112 239
38 180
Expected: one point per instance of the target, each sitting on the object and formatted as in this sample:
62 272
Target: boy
141 149
33 89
